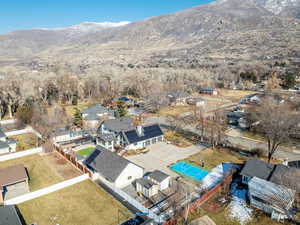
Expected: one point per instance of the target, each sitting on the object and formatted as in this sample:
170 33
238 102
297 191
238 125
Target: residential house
281 186
121 132
9 216
197 101
112 169
66 134
13 182
95 114
208 91
160 178
146 187
178 97
237 119
154 182
7 145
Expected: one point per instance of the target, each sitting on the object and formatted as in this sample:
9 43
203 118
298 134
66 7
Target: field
80 204
86 151
26 141
175 110
44 171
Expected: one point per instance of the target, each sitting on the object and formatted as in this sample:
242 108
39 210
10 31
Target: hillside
227 31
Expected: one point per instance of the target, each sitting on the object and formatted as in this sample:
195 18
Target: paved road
282 152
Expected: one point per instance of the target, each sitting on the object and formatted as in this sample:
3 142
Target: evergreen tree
77 117
122 108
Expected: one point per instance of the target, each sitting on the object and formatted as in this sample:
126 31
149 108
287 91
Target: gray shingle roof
3 145
106 163
119 124
158 175
96 109
106 137
257 168
9 216
2 134
145 183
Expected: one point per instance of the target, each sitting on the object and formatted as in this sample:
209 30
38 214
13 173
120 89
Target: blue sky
27 14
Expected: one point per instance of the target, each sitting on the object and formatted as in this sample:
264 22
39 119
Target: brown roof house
13 182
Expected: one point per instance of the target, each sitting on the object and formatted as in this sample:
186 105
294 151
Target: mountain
225 31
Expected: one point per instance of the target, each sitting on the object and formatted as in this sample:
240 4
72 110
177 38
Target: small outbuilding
9 216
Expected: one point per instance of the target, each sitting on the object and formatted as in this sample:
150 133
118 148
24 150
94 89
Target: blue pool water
189 170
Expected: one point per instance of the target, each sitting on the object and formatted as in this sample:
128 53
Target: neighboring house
295 164
253 98
112 169
146 187
204 220
178 97
13 182
9 216
160 178
236 119
151 184
124 134
7 145
208 91
65 134
197 101
280 181
95 114
276 200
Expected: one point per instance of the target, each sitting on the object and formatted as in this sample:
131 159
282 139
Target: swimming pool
189 170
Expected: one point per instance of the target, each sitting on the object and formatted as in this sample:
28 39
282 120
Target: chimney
139 130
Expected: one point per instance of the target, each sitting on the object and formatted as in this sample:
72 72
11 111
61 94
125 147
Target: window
135 144
148 143
130 177
159 139
154 141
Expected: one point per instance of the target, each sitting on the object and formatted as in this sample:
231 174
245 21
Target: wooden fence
204 198
72 159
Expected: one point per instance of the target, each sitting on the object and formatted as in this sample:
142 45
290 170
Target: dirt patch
62 167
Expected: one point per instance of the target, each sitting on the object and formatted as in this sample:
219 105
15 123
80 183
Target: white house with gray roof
112 169
7 145
122 133
93 115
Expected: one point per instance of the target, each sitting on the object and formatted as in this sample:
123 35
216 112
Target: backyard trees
77 117
122 111
277 121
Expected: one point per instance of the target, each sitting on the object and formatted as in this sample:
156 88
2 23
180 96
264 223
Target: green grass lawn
84 203
86 151
40 174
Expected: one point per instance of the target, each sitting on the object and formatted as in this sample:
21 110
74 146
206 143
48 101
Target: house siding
128 175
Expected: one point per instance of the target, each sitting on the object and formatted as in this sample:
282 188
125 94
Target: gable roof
119 124
158 175
12 174
257 168
277 174
106 163
2 134
3 144
149 132
145 183
96 109
9 215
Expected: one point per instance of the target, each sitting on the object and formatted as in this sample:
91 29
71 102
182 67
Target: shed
147 187
160 178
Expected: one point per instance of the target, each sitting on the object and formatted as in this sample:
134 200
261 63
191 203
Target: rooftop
9 216
158 175
145 183
2 134
106 163
119 124
12 174
149 132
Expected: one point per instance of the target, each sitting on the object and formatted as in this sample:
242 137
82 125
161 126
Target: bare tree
276 121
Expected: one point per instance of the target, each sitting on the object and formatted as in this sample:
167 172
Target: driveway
162 155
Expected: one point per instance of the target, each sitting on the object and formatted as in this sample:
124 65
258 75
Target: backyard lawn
40 173
84 203
86 151
213 158
180 139
175 110
26 141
